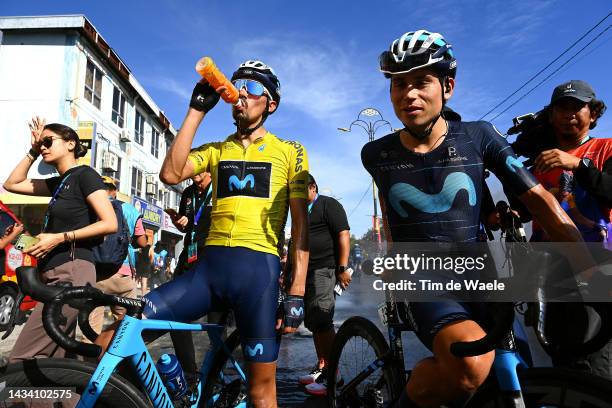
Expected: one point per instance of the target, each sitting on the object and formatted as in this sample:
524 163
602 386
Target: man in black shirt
193 219
329 251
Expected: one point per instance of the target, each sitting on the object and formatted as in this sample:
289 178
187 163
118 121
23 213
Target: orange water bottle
207 68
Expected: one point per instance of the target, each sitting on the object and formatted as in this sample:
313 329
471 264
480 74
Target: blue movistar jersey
436 196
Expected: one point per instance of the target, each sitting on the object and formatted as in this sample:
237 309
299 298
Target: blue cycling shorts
227 277
428 318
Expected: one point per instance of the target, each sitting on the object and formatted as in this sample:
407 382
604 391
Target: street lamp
370 120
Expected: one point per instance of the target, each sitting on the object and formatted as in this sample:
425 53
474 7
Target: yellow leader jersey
251 189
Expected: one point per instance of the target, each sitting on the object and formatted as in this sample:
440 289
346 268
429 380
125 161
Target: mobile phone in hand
25 242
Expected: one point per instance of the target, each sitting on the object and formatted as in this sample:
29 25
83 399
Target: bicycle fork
505 366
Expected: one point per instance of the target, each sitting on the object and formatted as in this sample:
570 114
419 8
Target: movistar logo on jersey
236 178
513 164
297 312
432 203
235 183
257 349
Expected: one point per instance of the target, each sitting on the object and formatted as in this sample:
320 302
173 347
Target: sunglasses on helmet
252 87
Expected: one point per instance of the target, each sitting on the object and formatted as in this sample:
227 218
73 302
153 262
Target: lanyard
53 200
311 204
196 218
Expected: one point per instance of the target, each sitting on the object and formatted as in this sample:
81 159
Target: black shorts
320 299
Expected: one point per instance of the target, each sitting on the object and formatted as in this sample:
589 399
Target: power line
360 200
546 67
551 74
583 56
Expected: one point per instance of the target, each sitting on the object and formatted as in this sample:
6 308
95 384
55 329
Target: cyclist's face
252 108
417 96
571 117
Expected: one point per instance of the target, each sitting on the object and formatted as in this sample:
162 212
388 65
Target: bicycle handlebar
83 298
504 318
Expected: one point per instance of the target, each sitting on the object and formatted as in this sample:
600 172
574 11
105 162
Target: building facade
62 69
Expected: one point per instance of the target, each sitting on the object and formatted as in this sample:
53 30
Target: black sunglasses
48 141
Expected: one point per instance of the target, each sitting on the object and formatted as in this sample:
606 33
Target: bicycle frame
129 344
507 360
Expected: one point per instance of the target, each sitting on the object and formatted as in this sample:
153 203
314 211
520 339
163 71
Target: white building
61 68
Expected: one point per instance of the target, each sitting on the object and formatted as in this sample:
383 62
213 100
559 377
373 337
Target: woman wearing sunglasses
78 215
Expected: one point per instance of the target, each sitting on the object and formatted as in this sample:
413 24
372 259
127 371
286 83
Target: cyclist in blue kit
430 177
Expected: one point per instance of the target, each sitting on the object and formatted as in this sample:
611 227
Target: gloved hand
204 97
293 308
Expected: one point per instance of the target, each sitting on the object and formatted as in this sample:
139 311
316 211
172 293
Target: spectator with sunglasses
78 215
257 177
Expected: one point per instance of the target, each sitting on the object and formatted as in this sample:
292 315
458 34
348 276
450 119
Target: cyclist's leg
184 299
33 340
250 284
444 377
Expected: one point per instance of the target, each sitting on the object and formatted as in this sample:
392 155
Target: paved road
297 354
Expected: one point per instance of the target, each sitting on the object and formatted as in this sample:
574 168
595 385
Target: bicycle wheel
224 385
357 345
68 373
551 388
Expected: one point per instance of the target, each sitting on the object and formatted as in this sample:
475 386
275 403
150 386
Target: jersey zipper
239 198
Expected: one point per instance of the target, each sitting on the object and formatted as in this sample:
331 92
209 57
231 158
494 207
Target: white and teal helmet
419 49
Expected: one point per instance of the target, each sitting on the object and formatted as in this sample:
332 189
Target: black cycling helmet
419 49
262 73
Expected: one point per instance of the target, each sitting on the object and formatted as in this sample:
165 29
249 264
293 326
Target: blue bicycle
221 382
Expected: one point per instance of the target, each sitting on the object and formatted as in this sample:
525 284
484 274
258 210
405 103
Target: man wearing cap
579 173
573 112
330 242
121 283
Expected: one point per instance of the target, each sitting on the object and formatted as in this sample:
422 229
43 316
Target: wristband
33 153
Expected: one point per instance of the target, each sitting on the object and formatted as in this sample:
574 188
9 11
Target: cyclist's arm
19 183
546 209
298 200
176 167
300 246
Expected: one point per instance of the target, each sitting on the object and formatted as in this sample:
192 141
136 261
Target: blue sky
326 54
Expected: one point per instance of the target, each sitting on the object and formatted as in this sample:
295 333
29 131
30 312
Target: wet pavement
297 355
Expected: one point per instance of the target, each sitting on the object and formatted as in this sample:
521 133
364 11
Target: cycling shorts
227 277
428 318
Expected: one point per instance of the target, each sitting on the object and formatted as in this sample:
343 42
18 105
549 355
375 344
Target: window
93 84
167 199
118 174
178 200
136 189
118 115
139 128
154 142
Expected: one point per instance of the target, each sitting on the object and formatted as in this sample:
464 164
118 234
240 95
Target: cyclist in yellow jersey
257 177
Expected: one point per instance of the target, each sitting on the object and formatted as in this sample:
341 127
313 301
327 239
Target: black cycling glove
293 307
204 97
